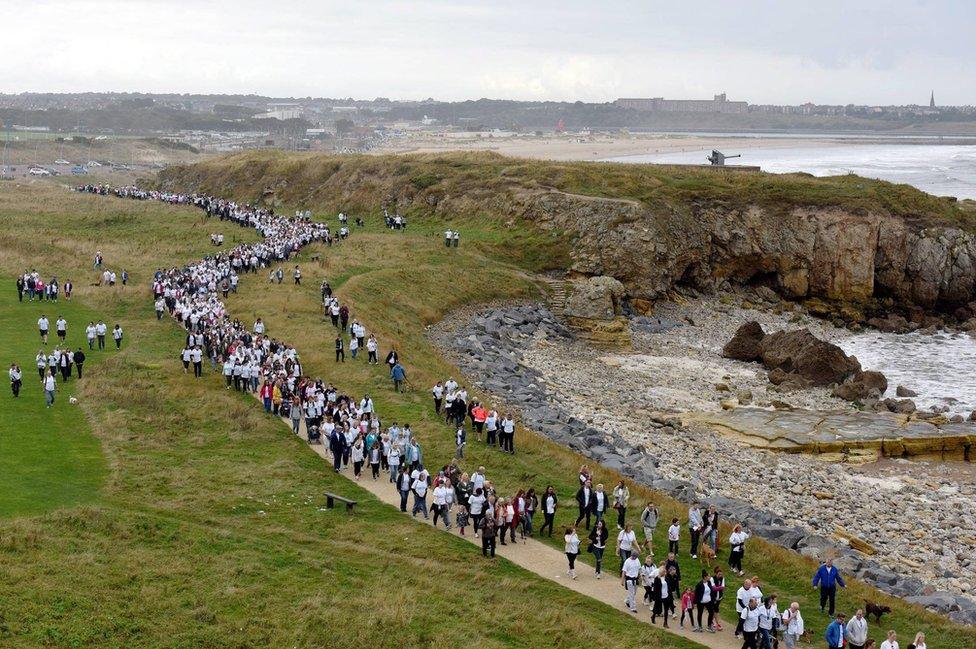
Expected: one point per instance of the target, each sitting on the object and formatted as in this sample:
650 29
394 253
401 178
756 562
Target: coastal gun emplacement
718 158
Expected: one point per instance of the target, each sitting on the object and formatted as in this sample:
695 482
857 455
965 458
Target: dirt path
545 561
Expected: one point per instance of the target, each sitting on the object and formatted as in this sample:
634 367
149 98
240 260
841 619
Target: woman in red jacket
267 391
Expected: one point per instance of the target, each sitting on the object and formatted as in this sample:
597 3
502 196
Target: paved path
543 560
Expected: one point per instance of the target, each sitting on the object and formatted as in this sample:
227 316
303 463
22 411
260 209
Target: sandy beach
589 147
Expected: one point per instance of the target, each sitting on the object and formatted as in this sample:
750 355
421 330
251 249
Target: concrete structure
718 104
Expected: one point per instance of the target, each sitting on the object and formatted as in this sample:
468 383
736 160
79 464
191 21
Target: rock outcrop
801 237
594 310
789 354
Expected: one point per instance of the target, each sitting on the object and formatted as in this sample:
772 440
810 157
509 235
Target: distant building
932 100
281 113
718 104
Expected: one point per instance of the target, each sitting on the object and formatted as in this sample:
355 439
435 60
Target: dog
877 610
72 400
706 554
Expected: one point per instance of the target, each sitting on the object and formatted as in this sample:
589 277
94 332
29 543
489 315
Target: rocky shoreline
569 392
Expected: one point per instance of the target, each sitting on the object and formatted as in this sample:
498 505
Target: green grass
209 528
399 283
48 457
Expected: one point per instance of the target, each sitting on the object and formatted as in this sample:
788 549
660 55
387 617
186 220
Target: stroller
314 436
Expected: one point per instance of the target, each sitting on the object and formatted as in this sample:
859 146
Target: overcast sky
762 51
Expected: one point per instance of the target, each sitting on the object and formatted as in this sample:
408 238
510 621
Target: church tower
932 100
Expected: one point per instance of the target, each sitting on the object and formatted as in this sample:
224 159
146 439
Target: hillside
405 283
163 511
845 239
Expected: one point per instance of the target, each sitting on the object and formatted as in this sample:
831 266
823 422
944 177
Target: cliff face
827 253
844 239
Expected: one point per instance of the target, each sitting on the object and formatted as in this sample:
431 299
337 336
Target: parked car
62 161
38 171
79 170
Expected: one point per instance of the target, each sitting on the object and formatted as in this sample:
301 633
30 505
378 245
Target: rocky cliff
843 239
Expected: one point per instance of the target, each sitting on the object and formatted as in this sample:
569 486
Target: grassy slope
400 283
48 458
208 530
362 181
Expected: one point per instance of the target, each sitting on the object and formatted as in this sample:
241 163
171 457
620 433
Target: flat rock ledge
865 435
488 346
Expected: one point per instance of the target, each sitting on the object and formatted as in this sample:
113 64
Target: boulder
902 391
892 323
746 343
594 310
873 380
778 376
595 297
800 352
900 406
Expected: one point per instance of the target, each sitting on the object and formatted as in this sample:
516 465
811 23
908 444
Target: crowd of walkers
31 286
54 367
251 360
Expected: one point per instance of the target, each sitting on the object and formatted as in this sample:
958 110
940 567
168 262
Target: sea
940 367
940 169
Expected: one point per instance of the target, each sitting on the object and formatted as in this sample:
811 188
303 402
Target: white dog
72 400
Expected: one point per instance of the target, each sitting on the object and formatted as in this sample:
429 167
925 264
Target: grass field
48 457
208 528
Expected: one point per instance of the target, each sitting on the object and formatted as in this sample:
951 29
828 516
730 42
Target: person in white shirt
768 612
196 355
737 549
41 360
891 642
572 549
441 493
626 543
419 488
919 641
259 327
371 346
50 386
90 335
857 631
42 326
61 326
117 336
792 625
674 533
507 437
749 617
186 355
629 575
100 330
16 379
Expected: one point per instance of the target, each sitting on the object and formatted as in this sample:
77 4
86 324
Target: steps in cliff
557 292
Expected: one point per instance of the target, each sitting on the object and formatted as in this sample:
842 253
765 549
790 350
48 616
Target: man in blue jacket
835 632
828 578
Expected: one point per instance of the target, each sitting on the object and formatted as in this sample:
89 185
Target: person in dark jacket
337 443
661 597
79 359
828 578
598 543
705 601
340 349
586 501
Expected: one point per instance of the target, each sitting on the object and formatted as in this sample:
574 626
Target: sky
761 51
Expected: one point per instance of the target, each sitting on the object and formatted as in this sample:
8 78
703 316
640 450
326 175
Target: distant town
234 122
